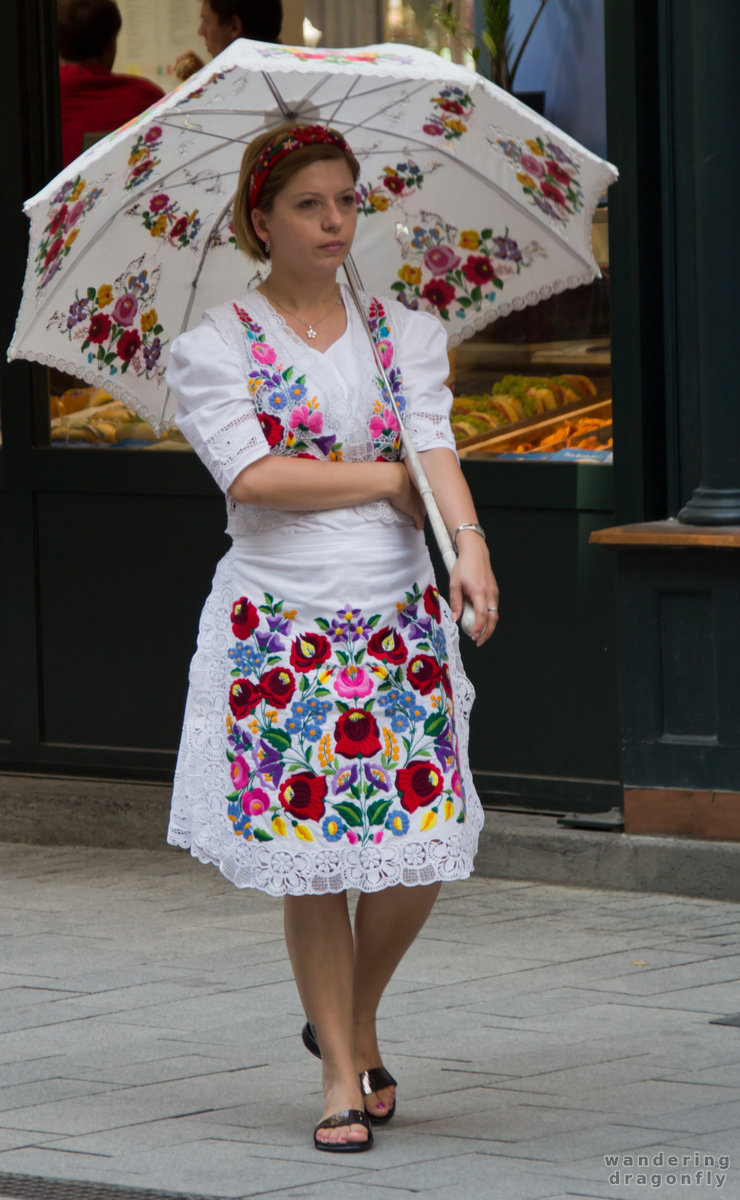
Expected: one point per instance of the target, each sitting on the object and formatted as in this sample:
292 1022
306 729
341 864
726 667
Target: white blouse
216 371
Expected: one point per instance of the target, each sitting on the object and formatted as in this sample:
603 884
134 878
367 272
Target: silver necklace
310 331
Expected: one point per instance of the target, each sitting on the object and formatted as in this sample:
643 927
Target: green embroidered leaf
277 738
434 725
343 708
91 293
464 302
407 745
321 691
322 622
236 671
350 813
232 795
157 330
461 818
262 835
475 294
374 620
369 705
378 811
359 657
230 756
444 314
274 658
303 685
486 234
343 658
499 283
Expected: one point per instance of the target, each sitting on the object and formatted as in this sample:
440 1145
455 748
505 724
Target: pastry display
90 415
517 398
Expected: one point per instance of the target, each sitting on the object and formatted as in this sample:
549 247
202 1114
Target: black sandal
350 1116
374 1080
308 1034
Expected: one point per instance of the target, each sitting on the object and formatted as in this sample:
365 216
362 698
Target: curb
118 815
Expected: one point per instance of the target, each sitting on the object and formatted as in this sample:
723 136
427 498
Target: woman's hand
472 579
408 499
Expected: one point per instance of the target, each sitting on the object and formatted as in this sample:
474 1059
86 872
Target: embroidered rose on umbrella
547 174
117 325
67 211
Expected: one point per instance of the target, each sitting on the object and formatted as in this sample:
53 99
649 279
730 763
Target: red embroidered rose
393 183
388 645
431 602
418 785
127 344
552 193
60 216
272 429
179 228
423 673
356 733
439 293
99 328
143 168
452 106
478 269
244 697
302 795
158 203
308 651
277 686
557 172
445 679
53 250
244 618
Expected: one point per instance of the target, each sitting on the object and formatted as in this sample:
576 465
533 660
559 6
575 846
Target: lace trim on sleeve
233 448
429 430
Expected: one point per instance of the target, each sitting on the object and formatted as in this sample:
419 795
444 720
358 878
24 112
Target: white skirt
325 739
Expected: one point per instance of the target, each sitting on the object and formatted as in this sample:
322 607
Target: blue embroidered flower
312 731
438 642
333 828
296 391
399 720
397 822
246 658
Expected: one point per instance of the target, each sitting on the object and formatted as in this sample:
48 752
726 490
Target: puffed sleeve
422 354
214 411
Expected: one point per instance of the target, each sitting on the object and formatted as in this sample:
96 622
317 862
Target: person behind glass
93 99
324 743
223 21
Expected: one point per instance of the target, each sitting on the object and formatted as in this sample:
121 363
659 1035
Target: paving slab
152 1038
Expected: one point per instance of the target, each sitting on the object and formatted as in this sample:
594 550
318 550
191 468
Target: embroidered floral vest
293 421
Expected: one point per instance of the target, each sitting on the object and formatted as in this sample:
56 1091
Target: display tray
532 429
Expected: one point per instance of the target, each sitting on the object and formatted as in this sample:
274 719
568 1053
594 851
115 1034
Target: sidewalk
149 1039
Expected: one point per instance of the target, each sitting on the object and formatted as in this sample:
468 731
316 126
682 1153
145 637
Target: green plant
496 37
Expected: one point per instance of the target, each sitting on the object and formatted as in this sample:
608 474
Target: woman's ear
259 225
237 29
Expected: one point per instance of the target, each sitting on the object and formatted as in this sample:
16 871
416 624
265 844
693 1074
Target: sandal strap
349 1116
375 1079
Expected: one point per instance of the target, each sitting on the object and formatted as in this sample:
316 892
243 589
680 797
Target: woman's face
313 218
217 36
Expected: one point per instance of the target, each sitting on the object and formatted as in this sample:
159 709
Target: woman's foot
342 1098
380 1102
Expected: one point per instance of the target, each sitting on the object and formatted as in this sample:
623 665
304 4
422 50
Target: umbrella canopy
470 205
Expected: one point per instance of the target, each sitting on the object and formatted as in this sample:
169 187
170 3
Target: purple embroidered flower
443 748
279 624
418 627
507 248
378 776
270 643
325 444
407 301
152 353
345 779
558 154
341 625
269 764
77 313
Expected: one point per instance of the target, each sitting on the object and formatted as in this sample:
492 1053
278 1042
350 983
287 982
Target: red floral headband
294 139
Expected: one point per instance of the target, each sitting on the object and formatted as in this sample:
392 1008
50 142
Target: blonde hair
281 174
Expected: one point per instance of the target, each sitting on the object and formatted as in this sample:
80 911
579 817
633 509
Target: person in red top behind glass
93 99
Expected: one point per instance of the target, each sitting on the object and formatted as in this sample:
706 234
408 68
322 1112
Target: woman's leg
386 924
318 934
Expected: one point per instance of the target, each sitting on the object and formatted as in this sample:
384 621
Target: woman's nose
332 215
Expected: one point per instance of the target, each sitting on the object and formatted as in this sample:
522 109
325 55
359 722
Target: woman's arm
287 482
471 577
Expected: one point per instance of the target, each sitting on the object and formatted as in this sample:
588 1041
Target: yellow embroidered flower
105 295
77 191
149 320
390 745
428 821
253 727
304 833
325 674
279 826
159 227
326 758
379 200
290 614
378 670
525 180
410 274
455 124
469 239
290 439
335 456
535 147
449 809
136 156
229 722
71 237
253 386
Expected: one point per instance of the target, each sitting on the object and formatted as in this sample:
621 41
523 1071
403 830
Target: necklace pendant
311 332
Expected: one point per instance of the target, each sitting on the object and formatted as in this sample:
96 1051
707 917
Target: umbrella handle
439 529
447 550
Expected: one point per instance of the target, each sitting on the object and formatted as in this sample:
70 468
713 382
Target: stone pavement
149 1038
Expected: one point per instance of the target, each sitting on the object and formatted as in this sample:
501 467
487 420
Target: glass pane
80 415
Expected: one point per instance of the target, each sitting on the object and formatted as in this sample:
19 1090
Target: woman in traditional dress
324 745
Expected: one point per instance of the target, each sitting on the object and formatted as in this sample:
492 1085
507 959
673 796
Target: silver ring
493 608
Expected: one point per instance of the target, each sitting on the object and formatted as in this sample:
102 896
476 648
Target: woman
325 736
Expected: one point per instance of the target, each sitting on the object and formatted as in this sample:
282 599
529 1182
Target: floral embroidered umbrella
471 205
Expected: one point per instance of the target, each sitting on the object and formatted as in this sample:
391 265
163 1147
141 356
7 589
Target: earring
267 247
